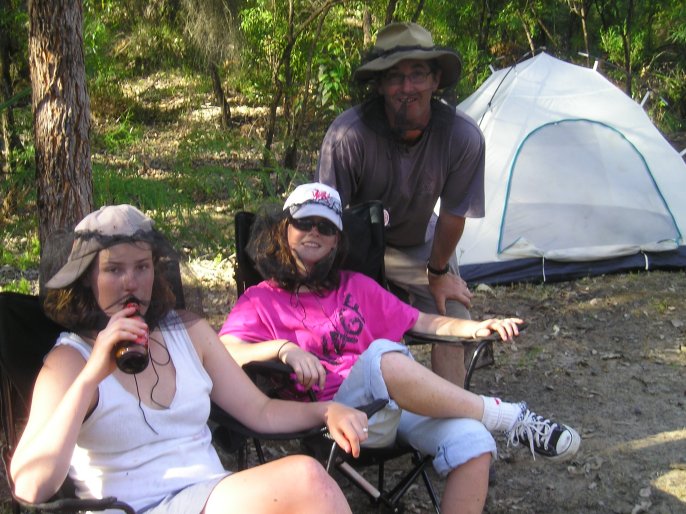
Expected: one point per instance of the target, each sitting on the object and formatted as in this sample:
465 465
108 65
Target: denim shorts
189 500
452 441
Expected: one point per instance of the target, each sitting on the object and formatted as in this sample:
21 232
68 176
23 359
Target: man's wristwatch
437 272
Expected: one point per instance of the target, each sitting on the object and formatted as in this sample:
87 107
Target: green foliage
18 193
21 253
23 158
111 186
119 135
678 31
241 188
151 47
18 286
203 143
126 41
661 306
19 249
97 40
13 23
263 39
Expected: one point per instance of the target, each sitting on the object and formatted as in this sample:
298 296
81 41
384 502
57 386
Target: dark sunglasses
324 227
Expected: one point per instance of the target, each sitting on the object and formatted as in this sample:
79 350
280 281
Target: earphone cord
140 406
154 365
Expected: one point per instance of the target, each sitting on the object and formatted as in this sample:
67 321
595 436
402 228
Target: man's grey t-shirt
363 159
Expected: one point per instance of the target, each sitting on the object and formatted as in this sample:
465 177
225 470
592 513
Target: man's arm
446 286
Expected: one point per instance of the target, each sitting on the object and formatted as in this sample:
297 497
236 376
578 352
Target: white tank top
118 454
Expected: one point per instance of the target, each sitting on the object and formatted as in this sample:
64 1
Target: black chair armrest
413 337
255 368
79 505
273 367
269 367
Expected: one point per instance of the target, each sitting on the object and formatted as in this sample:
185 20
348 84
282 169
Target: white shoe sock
499 416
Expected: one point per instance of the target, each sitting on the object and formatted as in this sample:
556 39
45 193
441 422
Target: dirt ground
606 355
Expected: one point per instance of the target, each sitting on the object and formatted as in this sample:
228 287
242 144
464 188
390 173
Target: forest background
249 88
195 109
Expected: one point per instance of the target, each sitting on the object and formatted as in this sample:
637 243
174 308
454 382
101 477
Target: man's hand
449 287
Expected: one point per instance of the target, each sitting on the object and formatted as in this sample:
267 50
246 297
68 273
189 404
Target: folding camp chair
364 227
26 335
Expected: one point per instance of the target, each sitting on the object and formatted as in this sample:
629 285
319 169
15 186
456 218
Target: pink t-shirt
336 327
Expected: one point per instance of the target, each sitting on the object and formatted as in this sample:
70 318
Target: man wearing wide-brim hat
408 149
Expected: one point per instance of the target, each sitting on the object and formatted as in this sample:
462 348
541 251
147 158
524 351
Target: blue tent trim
513 168
538 270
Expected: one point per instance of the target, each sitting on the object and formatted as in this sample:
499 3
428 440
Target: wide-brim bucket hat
400 41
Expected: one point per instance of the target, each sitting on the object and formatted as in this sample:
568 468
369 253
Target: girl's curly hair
268 248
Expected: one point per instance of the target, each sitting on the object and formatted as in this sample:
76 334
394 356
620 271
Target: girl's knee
393 362
309 471
322 490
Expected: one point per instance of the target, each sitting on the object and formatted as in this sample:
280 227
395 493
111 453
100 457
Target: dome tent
578 180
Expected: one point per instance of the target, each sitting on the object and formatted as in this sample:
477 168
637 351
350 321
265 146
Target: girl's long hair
268 248
74 307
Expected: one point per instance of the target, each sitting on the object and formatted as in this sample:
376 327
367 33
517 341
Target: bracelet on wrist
437 272
278 353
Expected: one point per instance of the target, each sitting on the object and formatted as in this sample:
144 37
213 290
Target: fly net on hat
100 229
68 254
400 41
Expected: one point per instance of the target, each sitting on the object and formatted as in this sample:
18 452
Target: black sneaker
543 436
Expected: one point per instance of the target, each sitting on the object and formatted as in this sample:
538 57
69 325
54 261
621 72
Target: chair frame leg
390 499
480 348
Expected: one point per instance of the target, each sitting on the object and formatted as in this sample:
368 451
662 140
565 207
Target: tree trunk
367 28
267 160
219 96
584 28
6 116
626 45
61 114
529 38
418 11
484 26
390 11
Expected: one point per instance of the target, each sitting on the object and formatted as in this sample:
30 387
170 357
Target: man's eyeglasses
324 227
398 79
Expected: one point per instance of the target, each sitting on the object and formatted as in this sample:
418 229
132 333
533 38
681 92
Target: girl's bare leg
417 389
296 484
466 487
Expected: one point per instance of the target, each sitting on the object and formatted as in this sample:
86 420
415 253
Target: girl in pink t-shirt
339 331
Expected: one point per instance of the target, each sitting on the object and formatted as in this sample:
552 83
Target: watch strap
435 271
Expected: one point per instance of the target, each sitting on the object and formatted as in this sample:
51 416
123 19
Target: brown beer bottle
132 356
